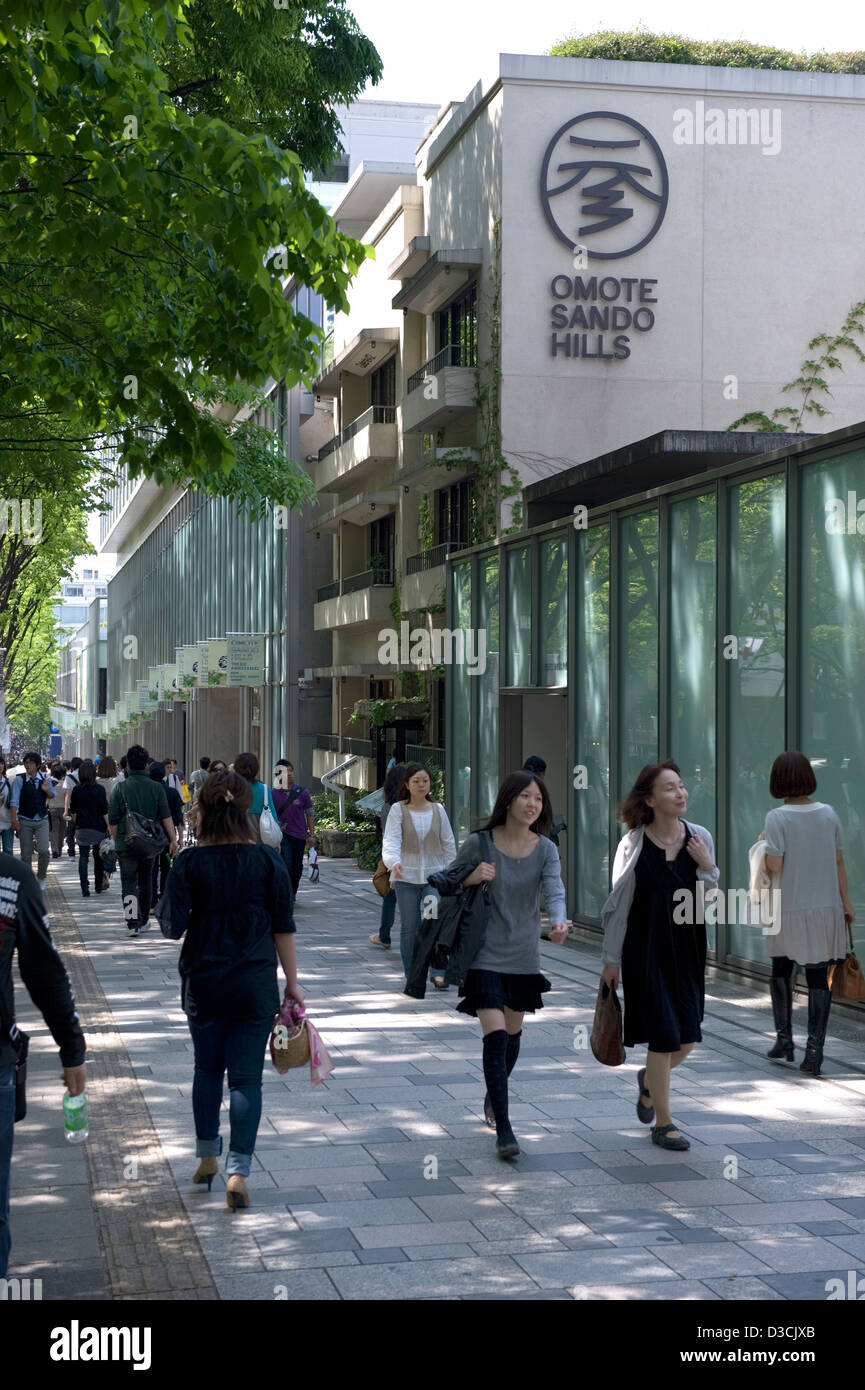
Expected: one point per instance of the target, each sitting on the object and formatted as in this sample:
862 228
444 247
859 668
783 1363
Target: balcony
366 351
424 576
361 600
354 454
444 390
359 510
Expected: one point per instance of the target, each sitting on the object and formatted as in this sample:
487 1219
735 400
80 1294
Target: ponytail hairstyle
223 810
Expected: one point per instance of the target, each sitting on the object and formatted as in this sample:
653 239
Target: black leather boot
819 1004
781 991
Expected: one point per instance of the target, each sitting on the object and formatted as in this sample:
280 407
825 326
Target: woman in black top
88 807
232 897
393 780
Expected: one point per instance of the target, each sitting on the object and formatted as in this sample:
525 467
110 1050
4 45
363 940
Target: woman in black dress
654 932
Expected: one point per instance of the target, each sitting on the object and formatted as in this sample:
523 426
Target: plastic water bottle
75 1117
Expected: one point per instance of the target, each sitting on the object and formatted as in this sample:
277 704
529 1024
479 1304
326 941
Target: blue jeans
237 1045
7 1120
388 912
409 900
7 840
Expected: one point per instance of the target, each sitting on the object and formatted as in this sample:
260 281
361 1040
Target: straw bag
847 981
289 1044
606 1040
381 879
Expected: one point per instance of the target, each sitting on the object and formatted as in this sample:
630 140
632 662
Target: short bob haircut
107 766
634 811
223 806
509 791
246 765
791 775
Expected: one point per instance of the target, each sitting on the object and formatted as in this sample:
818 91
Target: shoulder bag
268 827
847 980
143 836
606 1040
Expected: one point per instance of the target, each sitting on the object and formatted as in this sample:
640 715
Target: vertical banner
217 662
201 663
153 683
169 680
190 665
245 658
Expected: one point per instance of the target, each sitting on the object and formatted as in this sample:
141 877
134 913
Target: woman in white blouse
418 841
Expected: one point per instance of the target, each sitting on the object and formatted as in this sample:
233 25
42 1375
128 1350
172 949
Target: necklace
668 844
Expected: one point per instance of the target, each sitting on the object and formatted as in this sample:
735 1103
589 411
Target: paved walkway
383 1183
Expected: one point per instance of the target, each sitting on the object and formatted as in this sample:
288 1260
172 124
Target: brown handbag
848 981
381 879
606 1040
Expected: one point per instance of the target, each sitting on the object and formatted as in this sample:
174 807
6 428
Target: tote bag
268 825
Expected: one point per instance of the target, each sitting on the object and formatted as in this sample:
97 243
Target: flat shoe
645 1113
661 1137
377 941
506 1145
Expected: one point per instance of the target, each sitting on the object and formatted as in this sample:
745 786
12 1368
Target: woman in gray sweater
504 981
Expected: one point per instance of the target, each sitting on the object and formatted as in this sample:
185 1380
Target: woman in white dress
804 842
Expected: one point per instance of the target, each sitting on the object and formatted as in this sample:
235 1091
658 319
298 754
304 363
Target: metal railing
329 742
354 583
375 415
454 355
431 559
354 747
419 753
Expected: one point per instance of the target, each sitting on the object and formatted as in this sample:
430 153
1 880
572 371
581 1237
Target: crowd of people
469 917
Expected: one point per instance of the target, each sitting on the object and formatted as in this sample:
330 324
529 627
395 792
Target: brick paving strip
148 1243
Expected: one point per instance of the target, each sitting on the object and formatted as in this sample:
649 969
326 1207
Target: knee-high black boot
512 1052
496 1077
819 1004
781 991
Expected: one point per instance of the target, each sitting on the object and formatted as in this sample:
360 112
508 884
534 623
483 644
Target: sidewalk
383 1183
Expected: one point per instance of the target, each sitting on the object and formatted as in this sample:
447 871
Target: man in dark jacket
148 799
162 862
24 927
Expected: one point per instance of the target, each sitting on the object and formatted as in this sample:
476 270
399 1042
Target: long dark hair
87 773
409 771
633 810
393 780
509 791
246 765
223 806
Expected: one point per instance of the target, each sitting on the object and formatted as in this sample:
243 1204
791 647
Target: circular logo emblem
604 185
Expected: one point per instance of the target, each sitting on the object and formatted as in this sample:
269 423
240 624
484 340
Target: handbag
268 826
294 1041
108 855
21 1043
606 1040
381 879
848 981
143 836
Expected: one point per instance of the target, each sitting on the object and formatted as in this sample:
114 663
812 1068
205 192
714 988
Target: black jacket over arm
24 926
459 927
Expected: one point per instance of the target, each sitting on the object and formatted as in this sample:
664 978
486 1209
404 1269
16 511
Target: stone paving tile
851 1245
585 1267
682 1290
807 1287
789 1256
747 1289
502 1278
770 1212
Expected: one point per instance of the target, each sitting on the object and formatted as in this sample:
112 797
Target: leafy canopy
144 246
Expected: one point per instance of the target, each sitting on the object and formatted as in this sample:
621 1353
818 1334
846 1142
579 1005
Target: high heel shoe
206 1171
236 1193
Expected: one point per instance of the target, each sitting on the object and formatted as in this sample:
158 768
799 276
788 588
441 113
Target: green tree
145 249
274 70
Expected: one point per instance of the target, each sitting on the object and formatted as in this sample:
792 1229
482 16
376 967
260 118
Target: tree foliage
145 247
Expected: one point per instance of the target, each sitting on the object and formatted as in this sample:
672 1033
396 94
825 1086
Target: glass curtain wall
519 585
832 660
592 694
755 677
461 708
638 646
554 612
486 683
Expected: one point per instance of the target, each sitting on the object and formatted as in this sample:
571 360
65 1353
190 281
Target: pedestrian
418 841
296 817
162 862
538 768
394 778
88 806
232 898
7 834
217 766
246 766
141 794
108 776
124 767
199 777
31 792
172 776
662 961
513 858
57 809
25 929
804 843
68 786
